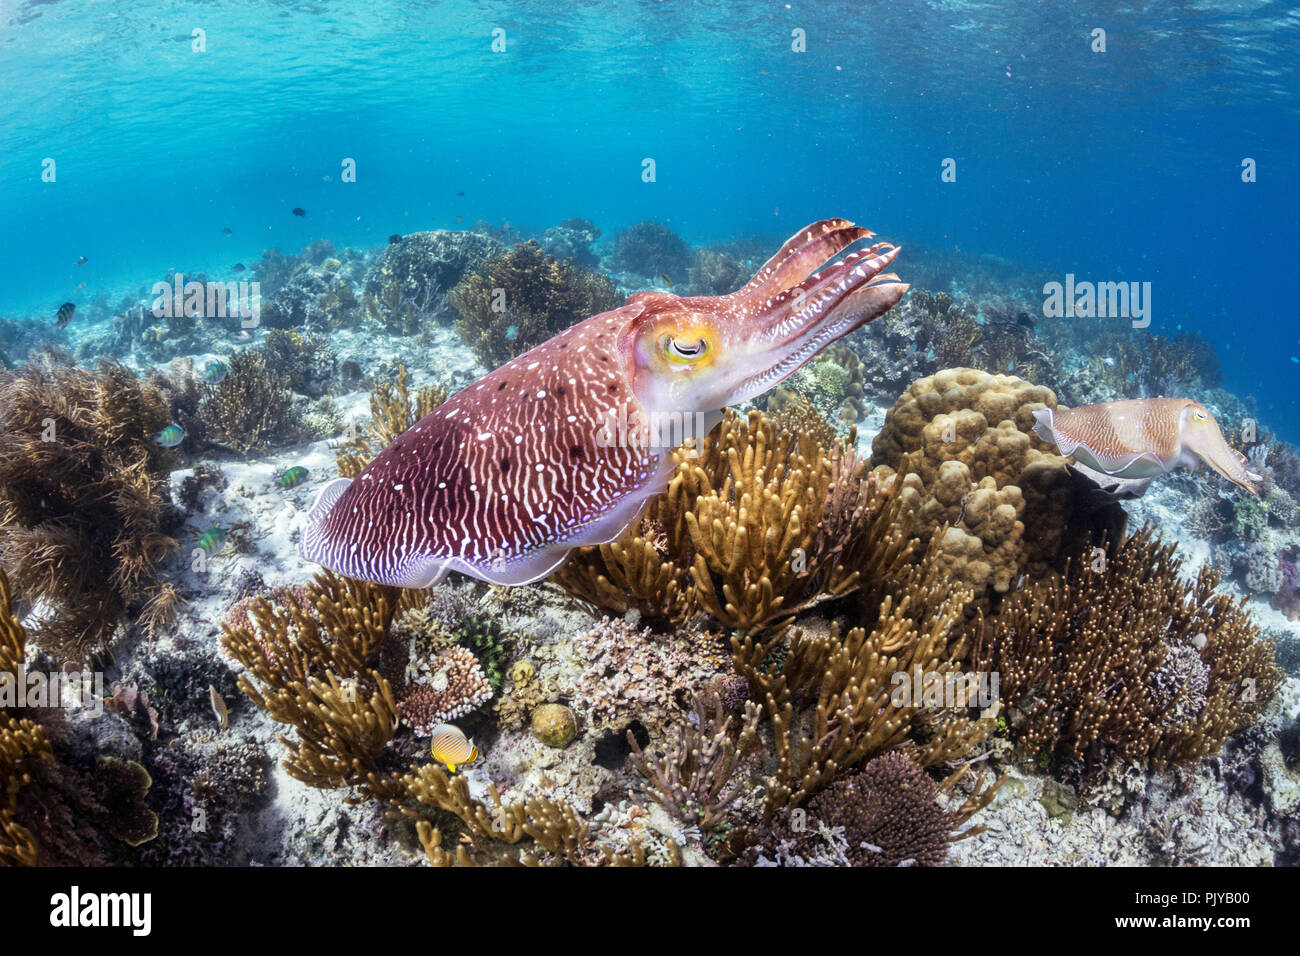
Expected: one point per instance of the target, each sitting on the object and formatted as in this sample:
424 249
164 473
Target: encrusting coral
85 510
760 525
523 297
307 657
999 501
1122 659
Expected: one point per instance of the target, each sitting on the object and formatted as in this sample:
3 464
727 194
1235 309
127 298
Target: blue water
1117 165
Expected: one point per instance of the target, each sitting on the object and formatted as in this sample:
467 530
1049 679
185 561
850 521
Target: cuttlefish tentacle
565 445
801 254
1141 438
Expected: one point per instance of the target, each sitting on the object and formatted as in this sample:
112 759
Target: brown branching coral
252 408
529 292
694 779
307 658
831 701
85 508
306 667
886 814
761 525
999 501
22 741
1122 659
393 410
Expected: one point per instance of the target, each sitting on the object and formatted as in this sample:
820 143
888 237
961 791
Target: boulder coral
1000 502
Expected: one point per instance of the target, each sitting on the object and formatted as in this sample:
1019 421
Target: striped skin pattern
551 452
1142 438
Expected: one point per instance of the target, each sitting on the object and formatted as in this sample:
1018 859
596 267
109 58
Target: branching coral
1122 659
393 410
252 407
694 779
761 525
522 298
307 361
887 814
22 741
831 701
85 513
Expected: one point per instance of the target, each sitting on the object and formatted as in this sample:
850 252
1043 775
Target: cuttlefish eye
1199 415
685 351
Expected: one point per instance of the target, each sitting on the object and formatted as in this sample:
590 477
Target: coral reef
308 363
761 525
85 512
998 500
715 272
404 288
571 240
252 407
318 295
695 778
651 249
1120 659
886 814
523 297
831 699
23 741
393 409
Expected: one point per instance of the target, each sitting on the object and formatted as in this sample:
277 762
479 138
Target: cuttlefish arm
558 449
1138 439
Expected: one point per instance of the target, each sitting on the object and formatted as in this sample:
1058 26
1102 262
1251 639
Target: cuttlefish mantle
537 458
1123 446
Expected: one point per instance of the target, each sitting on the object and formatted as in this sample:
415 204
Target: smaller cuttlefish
1141 438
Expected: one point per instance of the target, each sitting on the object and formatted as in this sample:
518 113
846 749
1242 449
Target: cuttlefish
1136 440
564 446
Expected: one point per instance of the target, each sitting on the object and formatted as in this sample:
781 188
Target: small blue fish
980 318
243 336
929 355
214 373
171 436
211 539
1296 360
512 332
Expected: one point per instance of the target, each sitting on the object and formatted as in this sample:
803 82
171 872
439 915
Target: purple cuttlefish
564 445
1136 440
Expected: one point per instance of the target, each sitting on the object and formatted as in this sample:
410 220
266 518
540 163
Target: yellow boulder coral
974 473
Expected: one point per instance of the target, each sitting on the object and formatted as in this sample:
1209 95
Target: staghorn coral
85 511
252 408
523 297
761 525
393 410
1121 660
977 480
694 779
830 700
